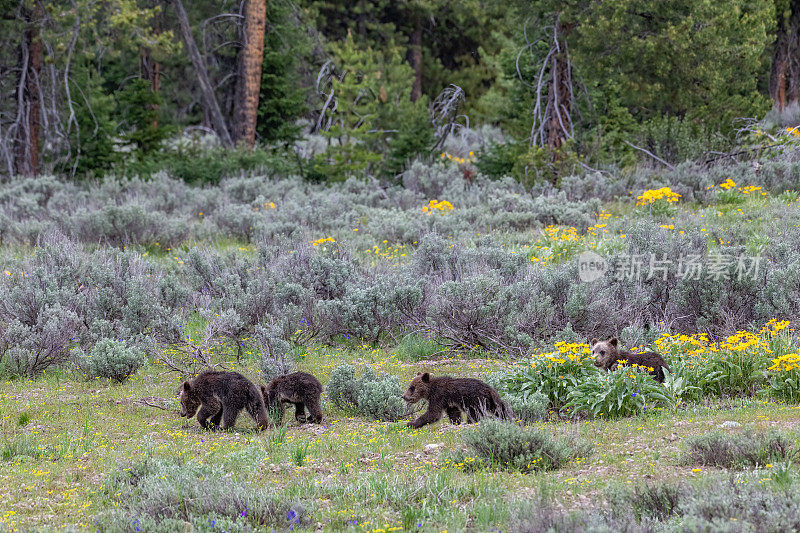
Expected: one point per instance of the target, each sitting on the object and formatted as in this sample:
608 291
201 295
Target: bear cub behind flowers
454 395
607 355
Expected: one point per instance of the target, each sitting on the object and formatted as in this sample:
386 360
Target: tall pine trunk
784 82
248 84
210 103
29 102
560 92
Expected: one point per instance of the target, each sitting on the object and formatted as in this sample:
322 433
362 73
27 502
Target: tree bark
248 84
559 95
784 82
416 59
210 103
26 141
150 70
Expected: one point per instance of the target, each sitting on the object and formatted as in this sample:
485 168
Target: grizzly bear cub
473 396
607 354
301 389
222 396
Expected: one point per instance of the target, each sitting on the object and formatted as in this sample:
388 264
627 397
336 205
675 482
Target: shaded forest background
333 89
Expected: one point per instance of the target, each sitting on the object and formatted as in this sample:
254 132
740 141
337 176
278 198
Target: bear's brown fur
607 354
220 396
301 389
454 395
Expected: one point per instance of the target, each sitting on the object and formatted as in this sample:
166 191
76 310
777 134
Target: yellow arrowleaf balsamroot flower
444 205
664 193
320 241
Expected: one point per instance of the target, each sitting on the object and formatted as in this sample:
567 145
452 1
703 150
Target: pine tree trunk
784 82
26 141
150 70
416 59
248 84
559 94
210 103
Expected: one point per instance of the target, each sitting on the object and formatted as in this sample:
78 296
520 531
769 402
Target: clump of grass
20 446
507 446
739 449
23 419
300 453
415 347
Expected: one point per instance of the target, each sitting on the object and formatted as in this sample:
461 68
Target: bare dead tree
210 103
444 113
552 112
324 87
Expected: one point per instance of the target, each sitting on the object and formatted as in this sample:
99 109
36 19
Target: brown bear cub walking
473 396
301 389
222 396
607 354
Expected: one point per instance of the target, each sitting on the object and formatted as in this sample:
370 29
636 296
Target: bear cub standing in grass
301 389
222 396
607 354
473 396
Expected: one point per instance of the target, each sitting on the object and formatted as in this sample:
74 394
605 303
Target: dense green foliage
360 89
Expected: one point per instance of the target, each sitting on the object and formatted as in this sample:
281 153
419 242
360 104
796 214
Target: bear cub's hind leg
455 415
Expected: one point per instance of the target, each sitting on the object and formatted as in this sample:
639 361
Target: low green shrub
717 506
342 388
163 495
110 359
380 399
507 446
738 450
373 396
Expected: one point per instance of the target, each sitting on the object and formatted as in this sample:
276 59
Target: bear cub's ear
426 377
593 342
613 342
187 386
263 390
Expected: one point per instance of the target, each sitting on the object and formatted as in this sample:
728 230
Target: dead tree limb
651 154
209 99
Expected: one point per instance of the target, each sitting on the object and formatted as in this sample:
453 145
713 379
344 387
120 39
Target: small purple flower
213 523
244 513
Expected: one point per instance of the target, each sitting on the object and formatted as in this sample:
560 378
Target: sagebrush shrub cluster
748 448
505 445
164 495
308 276
371 395
718 505
110 359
